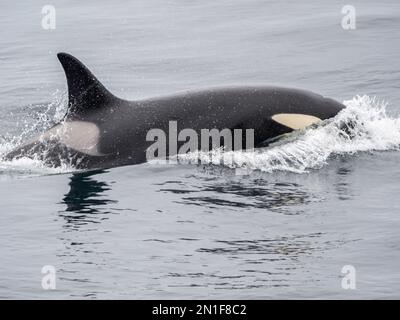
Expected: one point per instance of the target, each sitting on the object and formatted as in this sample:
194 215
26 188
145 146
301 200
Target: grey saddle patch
81 136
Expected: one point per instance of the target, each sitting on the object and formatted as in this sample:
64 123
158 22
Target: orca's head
295 110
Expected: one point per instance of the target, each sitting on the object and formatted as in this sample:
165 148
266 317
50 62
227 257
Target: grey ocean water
307 208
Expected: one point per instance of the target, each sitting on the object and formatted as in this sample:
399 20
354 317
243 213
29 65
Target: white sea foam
41 118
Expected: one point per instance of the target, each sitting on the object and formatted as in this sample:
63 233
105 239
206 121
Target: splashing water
40 118
368 128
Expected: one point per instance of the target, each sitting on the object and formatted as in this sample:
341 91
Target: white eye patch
81 136
295 121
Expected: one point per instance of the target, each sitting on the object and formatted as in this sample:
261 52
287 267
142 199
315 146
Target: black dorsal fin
85 92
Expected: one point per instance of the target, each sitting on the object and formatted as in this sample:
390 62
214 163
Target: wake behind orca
101 130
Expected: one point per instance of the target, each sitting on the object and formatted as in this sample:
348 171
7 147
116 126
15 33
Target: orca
101 131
